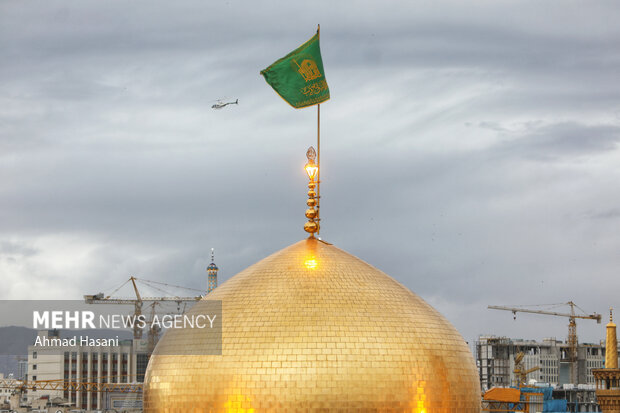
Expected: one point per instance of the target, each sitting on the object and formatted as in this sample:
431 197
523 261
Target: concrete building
580 398
122 363
5 392
8 393
22 368
495 361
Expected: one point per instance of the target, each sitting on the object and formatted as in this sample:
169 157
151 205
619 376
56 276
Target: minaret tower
212 274
608 379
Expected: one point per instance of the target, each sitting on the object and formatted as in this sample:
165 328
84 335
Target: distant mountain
15 340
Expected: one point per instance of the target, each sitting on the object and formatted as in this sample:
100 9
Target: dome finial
312 225
611 316
212 255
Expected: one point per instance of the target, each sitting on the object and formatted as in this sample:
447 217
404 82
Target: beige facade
6 392
122 363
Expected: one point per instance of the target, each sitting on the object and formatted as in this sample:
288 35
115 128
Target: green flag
299 77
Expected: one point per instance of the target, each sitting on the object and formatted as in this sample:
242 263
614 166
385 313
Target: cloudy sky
470 149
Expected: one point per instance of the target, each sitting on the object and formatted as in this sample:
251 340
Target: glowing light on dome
311 263
421 397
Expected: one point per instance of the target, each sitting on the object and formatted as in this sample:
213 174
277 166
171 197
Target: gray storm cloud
470 150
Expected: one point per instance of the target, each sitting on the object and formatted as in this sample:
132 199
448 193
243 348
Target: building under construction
495 360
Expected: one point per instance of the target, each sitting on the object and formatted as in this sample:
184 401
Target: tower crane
66 385
137 302
19 388
572 328
520 371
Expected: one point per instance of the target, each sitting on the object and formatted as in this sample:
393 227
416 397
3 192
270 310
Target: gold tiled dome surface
312 328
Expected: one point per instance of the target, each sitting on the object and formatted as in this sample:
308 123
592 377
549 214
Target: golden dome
312 328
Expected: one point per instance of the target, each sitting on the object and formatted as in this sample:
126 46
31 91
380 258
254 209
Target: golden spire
611 345
312 225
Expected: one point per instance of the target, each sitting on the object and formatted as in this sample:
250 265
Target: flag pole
318 146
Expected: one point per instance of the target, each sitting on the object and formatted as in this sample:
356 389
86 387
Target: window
34 378
142 361
34 366
34 354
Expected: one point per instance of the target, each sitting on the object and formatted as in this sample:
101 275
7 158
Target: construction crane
520 371
572 328
20 386
137 302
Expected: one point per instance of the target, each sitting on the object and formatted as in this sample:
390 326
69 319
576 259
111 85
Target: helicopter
220 104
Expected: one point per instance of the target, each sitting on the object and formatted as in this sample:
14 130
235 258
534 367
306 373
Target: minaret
212 274
608 379
611 345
